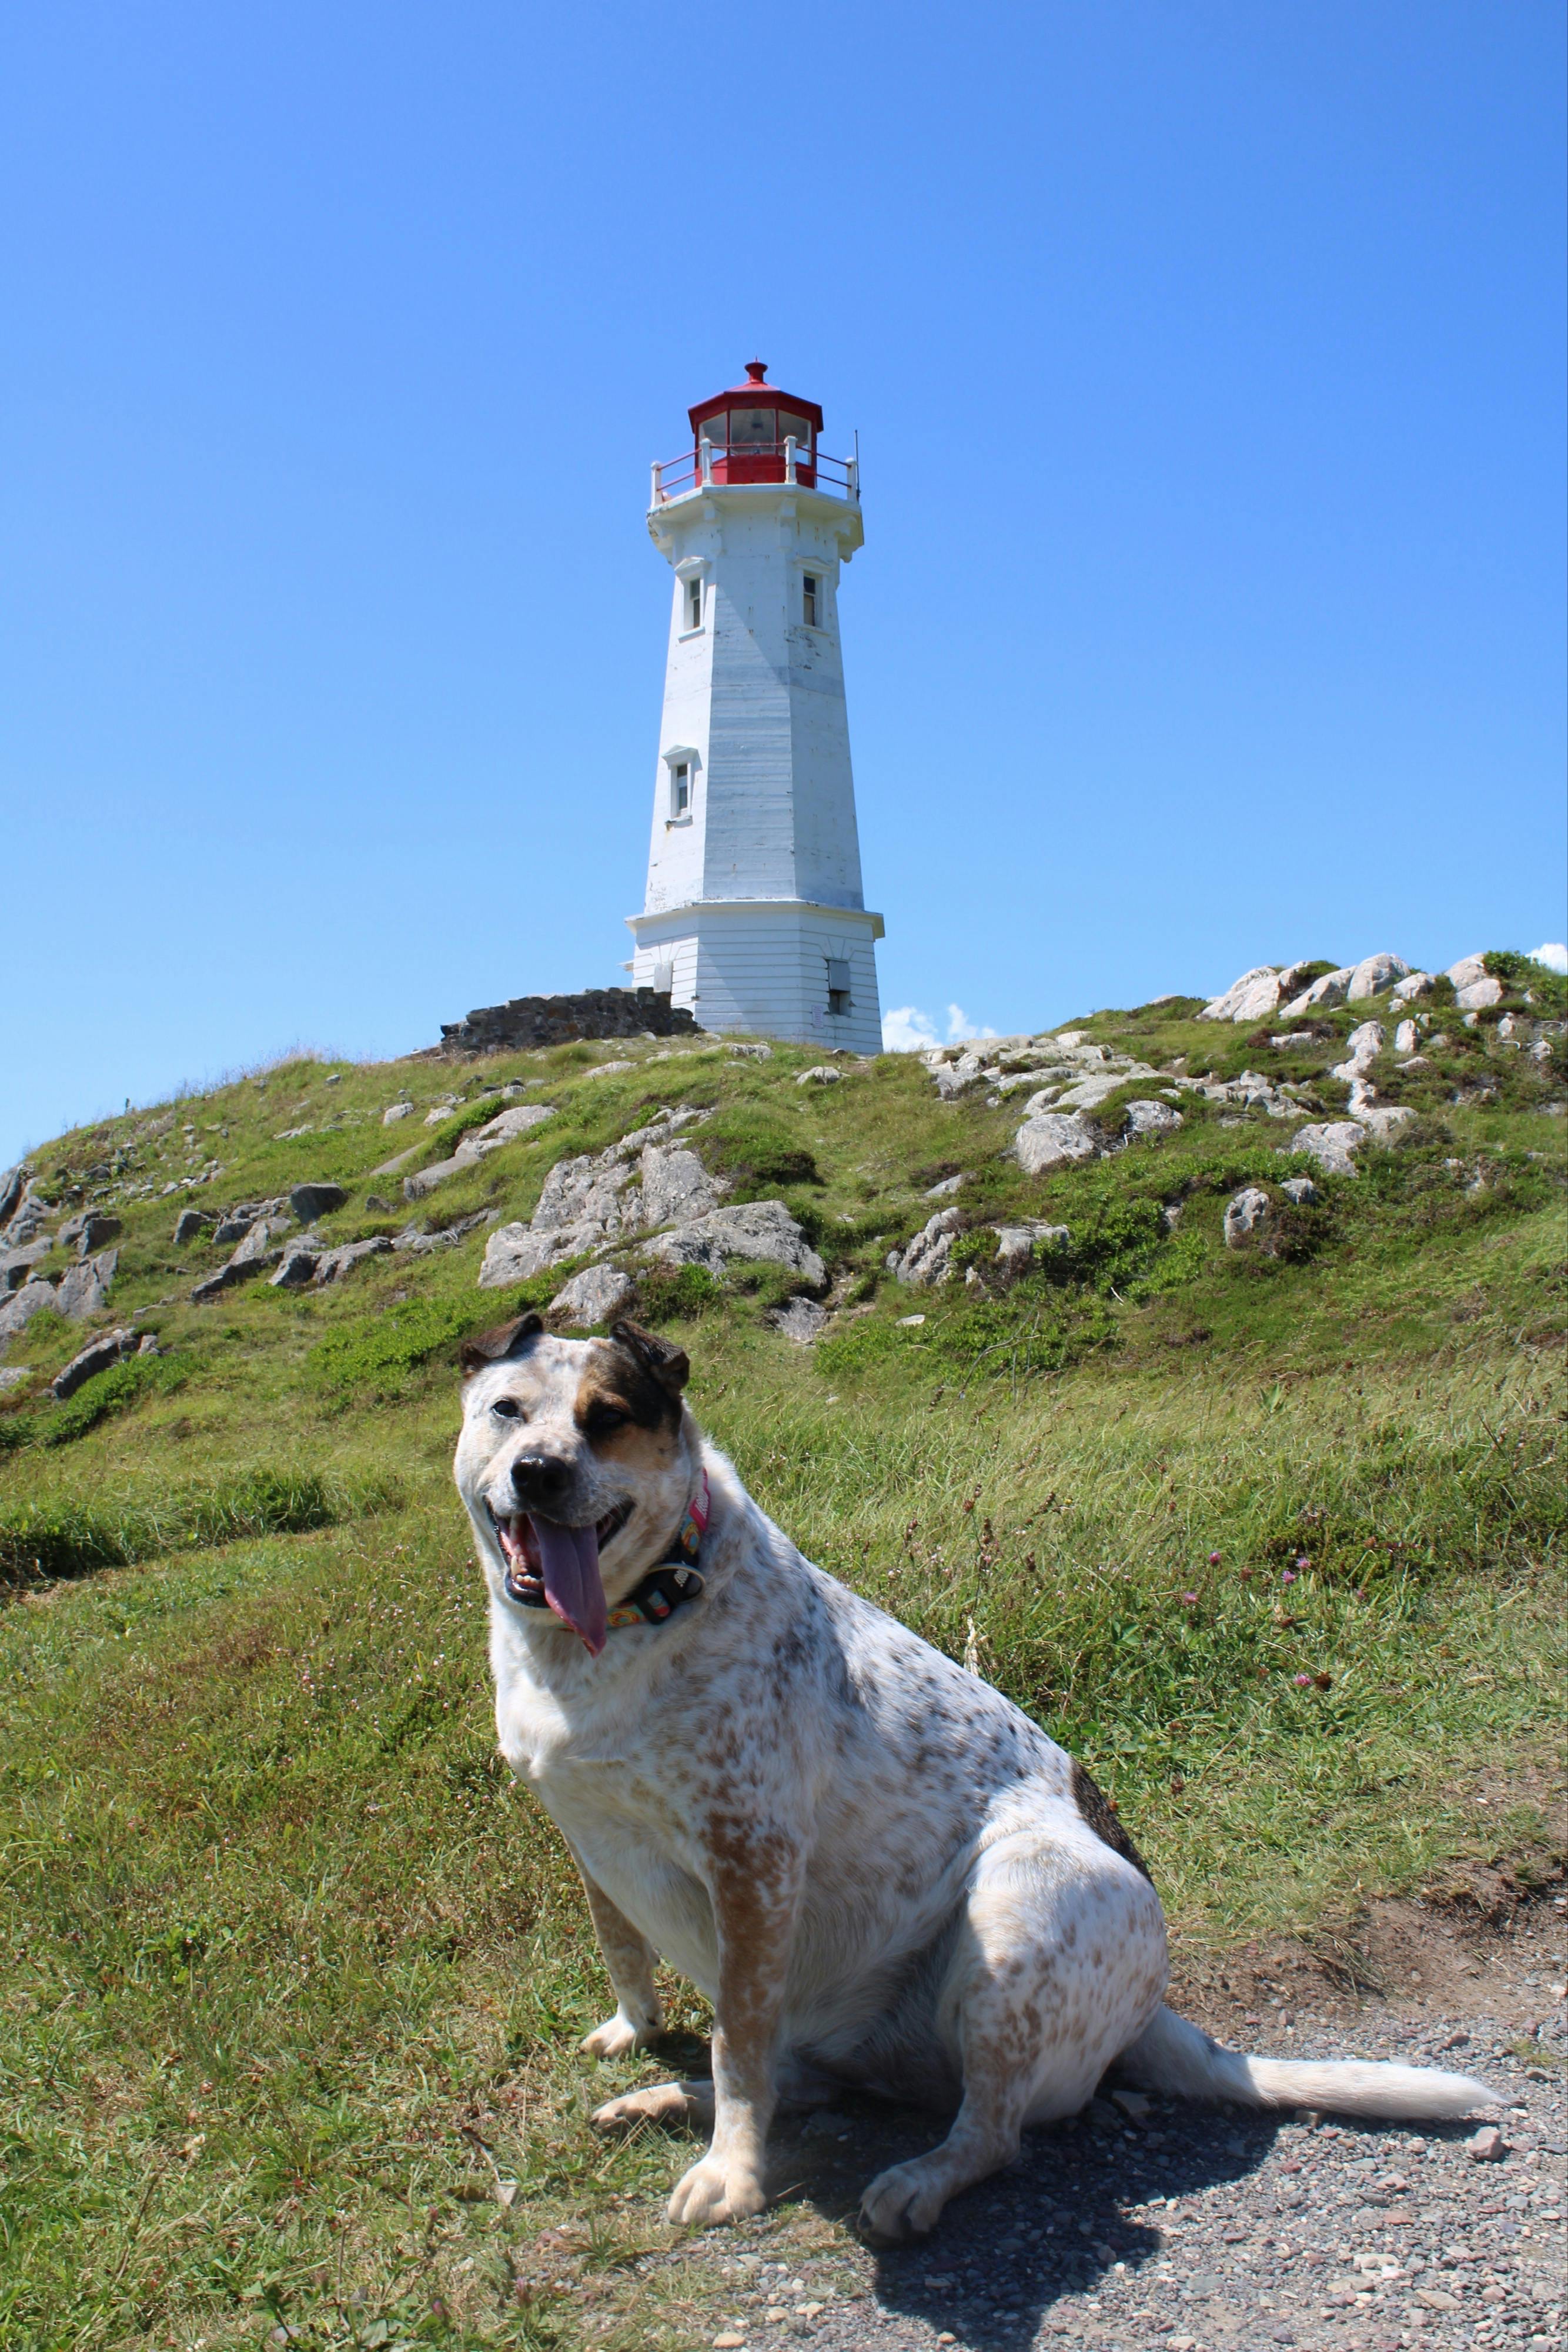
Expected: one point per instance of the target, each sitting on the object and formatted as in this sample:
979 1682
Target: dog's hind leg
1058 1966
630 1958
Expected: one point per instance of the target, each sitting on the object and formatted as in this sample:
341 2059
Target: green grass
293 1972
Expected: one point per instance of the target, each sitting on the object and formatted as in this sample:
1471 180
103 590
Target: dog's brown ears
667 1365
495 1347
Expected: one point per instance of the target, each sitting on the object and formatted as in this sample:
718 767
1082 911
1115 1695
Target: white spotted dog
878 1871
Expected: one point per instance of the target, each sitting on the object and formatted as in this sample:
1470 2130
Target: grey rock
607 1069
396 1112
27 1220
334 1264
1251 998
84 1289
1383 1119
1331 1143
1331 988
1407 1037
443 1111
821 1074
516 1254
504 1128
417 1244
676 1187
415 1187
87 1231
1373 974
17 1265
256 1244
1413 984
756 1229
1468 970
13 1376
926 1260
1052 1140
309 1202
801 1320
97 1357
1089 1093
597 1295
1487 2145
948 1185
190 1224
751 1052
299 1265
1016 1246
1477 994
13 1184
236 1222
1301 1190
1149 1119
1244 1213
18 1311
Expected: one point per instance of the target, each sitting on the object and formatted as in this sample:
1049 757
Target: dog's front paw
714 2190
618 2034
902 2202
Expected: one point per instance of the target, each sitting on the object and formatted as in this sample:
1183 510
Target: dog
878 1871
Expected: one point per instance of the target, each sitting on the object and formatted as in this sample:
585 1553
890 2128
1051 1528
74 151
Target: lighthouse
754 916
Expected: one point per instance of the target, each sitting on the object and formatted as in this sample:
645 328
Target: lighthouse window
810 585
839 985
681 790
693 603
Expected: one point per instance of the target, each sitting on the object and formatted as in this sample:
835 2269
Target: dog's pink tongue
569 1559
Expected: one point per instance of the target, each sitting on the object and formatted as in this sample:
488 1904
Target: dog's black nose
540 1479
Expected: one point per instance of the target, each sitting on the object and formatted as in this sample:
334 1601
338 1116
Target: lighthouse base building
754 916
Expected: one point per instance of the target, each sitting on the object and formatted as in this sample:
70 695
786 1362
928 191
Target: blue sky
1208 366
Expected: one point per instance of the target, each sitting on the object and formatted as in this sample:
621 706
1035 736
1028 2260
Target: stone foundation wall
556 1020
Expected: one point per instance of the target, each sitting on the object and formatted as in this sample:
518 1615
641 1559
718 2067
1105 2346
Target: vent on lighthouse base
839 998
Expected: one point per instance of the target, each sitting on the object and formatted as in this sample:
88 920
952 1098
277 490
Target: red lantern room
757 433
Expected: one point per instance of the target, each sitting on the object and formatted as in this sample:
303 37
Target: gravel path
1196 2228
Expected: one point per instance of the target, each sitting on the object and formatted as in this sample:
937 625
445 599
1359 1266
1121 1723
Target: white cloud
1553 955
960 1026
906 1030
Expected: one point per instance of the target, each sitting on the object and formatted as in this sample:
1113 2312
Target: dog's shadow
1053 2224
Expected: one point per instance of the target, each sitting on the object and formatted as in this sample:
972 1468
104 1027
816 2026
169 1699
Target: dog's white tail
1176 2057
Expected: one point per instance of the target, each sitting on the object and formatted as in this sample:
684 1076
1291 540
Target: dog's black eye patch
508 1409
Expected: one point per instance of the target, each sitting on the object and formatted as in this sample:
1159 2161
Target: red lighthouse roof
756 392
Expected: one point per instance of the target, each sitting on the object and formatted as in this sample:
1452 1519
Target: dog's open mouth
556 1567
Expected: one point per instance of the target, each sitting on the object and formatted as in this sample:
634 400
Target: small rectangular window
839 1001
693 603
811 584
679 789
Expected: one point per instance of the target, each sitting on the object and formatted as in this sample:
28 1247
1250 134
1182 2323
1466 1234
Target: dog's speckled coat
875 1867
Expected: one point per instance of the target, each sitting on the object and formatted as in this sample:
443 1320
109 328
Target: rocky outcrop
19 1266
309 1202
83 1289
600 1198
1245 1213
1332 1143
98 1356
13 1184
18 1311
504 1128
557 1020
927 1259
1256 994
762 1231
820 1074
1052 1140
87 1231
597 1295
1474 988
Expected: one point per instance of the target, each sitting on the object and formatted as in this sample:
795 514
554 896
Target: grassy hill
1271 1536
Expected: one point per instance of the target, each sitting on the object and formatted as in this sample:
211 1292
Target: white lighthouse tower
755 916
